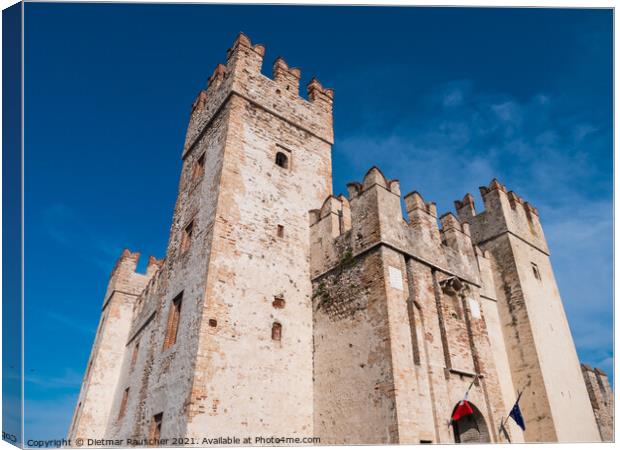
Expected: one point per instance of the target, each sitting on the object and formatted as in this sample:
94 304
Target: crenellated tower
220 338
542 355
272 152
105 363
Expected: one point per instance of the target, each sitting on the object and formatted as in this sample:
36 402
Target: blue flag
515 413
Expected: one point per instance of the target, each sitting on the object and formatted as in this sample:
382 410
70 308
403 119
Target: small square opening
282 160
278 303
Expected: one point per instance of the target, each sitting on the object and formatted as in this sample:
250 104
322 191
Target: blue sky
443 99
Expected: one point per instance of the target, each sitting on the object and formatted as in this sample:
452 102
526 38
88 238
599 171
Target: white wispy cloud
69 379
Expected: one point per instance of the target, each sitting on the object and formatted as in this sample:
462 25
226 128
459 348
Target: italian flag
464 408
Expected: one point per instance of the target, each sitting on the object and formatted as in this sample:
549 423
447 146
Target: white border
462 3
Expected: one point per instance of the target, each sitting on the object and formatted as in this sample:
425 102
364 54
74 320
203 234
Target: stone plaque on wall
396 278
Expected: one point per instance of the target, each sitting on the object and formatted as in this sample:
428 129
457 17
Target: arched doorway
471 429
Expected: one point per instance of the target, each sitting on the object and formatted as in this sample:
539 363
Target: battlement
241 75
504 211
372 214
373 177
414 201
466 206
450 222
286 76
124 276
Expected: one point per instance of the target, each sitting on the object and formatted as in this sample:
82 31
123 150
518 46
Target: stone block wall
602 400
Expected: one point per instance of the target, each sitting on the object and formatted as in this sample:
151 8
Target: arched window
282 160
276 331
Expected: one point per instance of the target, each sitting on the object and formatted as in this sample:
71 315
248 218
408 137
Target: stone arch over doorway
471 429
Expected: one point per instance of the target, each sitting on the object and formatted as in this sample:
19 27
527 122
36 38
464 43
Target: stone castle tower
281 310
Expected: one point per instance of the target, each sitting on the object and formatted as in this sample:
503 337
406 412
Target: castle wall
354 387
602 400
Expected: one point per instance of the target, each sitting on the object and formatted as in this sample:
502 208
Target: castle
283 311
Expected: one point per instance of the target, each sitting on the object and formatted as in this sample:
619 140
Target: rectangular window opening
280 231
276 332
174 317
155 433
198 169
121 411
134 355
186 241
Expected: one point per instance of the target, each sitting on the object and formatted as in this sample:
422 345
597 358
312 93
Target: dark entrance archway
471 429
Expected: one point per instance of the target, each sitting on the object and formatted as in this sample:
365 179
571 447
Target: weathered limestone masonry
399 322
538 340
602 399
281 310
105 363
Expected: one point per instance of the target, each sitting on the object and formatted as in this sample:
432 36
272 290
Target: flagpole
519 393
503 428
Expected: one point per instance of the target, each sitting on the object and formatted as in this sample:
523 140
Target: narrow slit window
456 307
282 160
280 231
186 241
536 271
134 355
276 331
155 433
121 411
174 317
